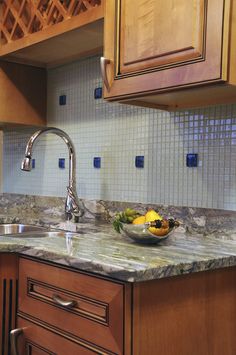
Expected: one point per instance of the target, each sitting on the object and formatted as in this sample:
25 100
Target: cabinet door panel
157 33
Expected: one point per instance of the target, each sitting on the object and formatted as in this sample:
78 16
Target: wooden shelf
50 33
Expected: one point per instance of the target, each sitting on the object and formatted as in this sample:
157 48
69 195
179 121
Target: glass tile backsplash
118 133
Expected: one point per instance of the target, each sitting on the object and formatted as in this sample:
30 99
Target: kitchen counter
99 249
200 303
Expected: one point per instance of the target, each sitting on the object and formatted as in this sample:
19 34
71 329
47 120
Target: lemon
139 220
152 215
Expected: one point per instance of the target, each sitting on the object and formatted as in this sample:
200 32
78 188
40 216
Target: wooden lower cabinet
62 311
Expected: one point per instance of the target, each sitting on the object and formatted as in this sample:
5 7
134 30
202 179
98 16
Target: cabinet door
162 45
35 340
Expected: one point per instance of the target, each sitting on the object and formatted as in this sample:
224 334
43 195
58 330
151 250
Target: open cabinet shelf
47 33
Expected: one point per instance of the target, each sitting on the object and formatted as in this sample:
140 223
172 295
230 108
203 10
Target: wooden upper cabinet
155 48
49 33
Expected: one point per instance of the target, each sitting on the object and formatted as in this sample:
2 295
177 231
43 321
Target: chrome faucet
73 208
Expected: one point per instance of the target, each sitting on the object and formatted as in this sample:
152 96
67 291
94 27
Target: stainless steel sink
31 231
20 229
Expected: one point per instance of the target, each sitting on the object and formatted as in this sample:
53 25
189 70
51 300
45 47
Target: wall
117 133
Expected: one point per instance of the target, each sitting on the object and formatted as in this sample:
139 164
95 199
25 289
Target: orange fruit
139 220
158 231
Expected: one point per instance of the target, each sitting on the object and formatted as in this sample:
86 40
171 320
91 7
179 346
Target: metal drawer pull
63 303
104 61
14 334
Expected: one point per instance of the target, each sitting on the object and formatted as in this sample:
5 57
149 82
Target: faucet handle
73 207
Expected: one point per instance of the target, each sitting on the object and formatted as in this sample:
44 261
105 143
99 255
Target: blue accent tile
61 163
33 163
139 161
62 100
97 162
97 93
192 160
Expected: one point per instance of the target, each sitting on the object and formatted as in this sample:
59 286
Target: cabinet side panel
232 44
186 315
128 319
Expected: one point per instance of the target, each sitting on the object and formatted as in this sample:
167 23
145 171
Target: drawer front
36 340
84 306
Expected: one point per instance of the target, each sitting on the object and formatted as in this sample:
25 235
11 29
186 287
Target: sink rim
20 229
36 232
22 225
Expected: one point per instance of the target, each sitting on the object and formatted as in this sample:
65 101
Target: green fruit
127 216
130 212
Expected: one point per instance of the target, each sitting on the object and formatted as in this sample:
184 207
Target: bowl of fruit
150 228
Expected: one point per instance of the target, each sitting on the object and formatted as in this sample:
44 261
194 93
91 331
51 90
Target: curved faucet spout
72 207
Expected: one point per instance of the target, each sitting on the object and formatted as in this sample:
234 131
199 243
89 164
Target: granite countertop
99 249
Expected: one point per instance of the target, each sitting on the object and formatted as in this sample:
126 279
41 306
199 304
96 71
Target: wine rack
22 18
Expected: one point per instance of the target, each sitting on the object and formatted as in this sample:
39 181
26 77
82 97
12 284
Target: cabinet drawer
36 340
85 306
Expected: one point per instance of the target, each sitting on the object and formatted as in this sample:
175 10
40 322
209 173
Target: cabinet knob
14 334
104 61
67 304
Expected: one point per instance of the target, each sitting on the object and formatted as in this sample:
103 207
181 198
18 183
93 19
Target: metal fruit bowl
140 233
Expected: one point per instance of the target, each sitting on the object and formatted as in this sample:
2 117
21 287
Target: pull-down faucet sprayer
72 205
